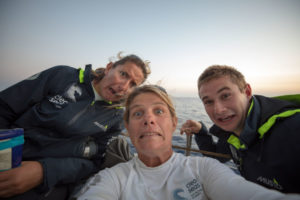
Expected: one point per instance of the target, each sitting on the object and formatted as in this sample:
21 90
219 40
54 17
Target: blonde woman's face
151 125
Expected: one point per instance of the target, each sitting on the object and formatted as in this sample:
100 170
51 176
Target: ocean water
188 108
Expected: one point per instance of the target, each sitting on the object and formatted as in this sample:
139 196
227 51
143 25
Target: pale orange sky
180 38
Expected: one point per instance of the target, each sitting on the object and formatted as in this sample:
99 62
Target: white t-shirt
180 178
97 96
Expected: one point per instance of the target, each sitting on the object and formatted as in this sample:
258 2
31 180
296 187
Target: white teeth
119 95
226 118
149 134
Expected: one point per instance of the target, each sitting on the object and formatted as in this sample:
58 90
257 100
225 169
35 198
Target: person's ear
248 91
108 67
175 121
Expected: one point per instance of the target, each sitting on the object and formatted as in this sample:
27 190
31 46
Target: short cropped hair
218 71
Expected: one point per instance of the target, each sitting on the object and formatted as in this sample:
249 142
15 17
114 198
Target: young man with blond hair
265 143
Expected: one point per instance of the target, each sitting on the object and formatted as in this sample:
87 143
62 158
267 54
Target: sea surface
188 108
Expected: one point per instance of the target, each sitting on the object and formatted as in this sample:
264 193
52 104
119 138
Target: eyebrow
219 91
139 105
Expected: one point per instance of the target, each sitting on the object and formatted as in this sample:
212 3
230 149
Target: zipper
80 113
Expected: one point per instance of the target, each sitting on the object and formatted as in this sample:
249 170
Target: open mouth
226 119
150 134
112 91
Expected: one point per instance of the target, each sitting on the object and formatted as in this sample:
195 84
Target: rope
203 152
188 148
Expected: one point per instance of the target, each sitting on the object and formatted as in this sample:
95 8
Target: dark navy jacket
268 149
205 141
57 110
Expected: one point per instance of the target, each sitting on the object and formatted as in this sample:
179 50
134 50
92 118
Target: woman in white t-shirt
159 173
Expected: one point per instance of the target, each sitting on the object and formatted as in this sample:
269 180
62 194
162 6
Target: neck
237 133
155 160
241 128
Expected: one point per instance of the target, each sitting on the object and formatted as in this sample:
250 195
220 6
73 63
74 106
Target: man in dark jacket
69 116
266 131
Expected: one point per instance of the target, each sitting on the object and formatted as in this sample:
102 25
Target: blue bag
11 145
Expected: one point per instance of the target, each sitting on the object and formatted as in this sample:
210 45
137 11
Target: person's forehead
216 85
146 99
134 71
217 82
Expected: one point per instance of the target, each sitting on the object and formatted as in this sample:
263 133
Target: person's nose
149 119
219 108
124 86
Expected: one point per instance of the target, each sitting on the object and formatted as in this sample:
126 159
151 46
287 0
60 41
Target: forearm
21 179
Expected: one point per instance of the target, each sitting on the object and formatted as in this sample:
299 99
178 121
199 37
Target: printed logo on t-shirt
193 188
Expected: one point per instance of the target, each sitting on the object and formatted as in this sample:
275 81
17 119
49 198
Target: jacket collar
249 133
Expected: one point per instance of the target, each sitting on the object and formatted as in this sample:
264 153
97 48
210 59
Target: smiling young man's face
225 104
150 125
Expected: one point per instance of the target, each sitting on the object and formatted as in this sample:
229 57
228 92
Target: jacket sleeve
15 100
103 141
222 145
205 141
118 123
64 162
65 170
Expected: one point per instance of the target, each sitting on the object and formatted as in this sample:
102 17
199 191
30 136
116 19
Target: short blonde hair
159 91
218 71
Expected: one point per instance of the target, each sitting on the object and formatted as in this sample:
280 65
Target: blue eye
137 114
159 111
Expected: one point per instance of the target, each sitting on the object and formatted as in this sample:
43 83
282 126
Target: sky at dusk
180 38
